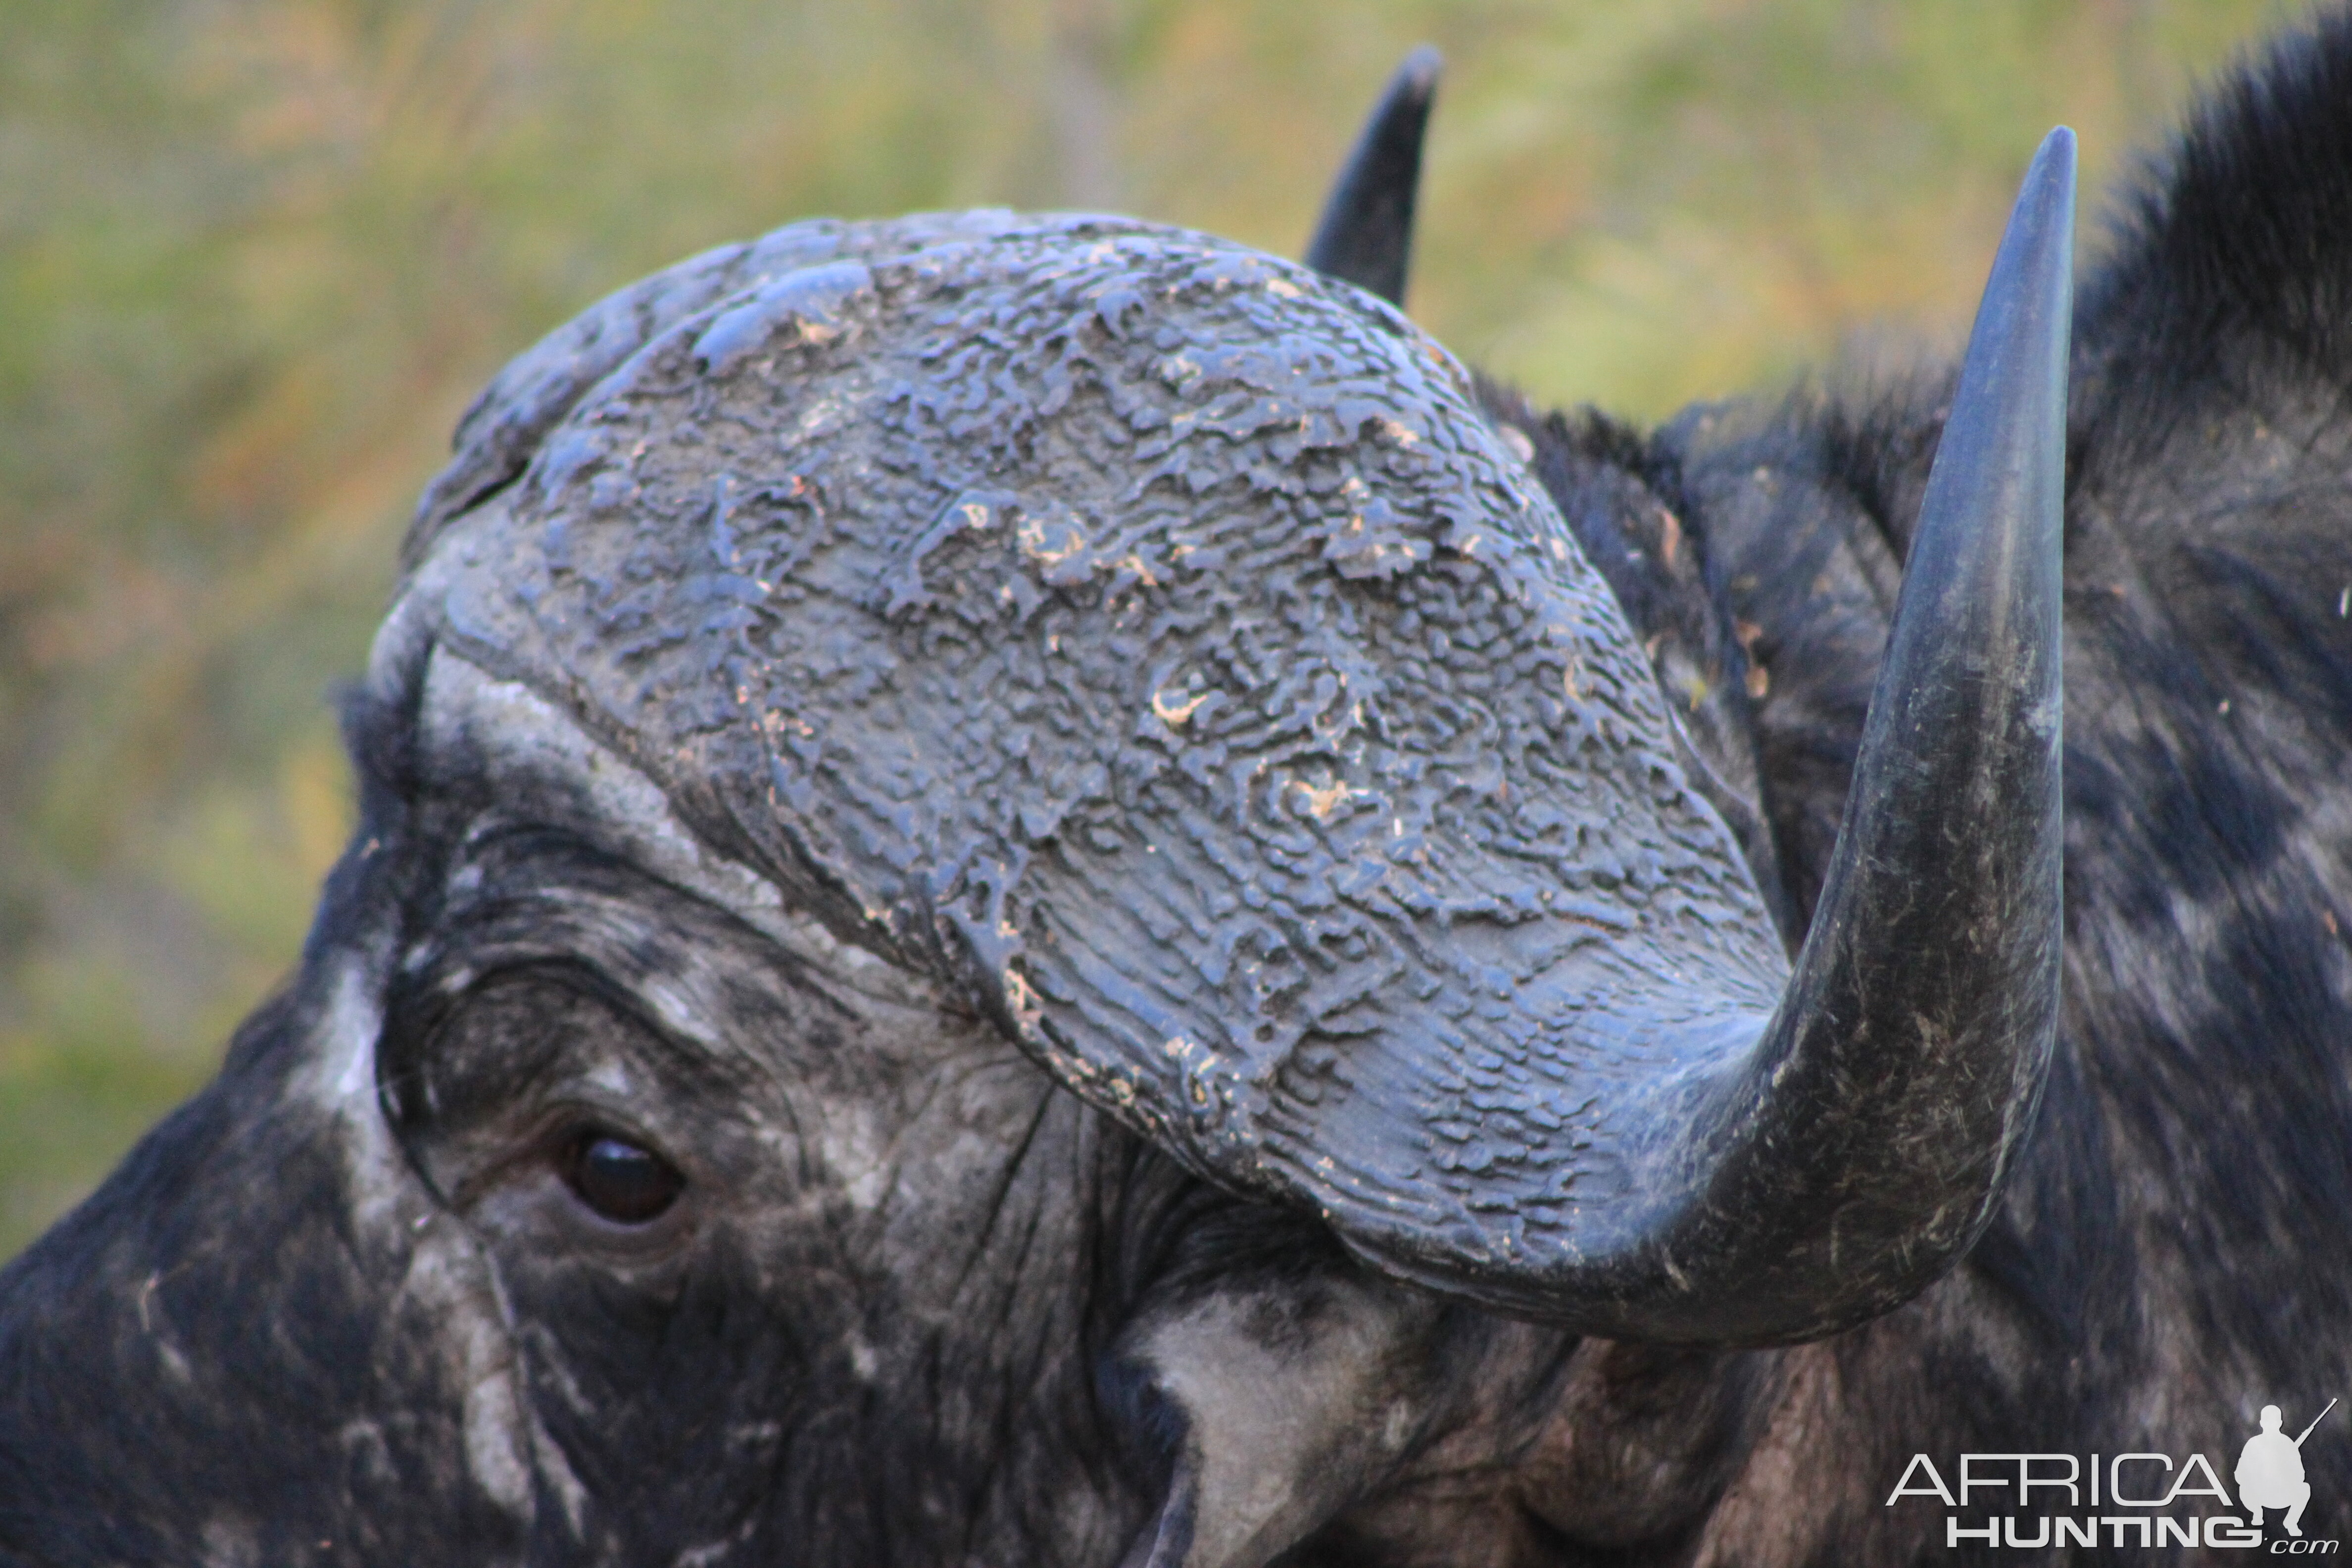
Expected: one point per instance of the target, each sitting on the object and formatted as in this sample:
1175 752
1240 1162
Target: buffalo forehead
1154 637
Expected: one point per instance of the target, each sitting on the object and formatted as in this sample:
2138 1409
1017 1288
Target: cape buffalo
1035 890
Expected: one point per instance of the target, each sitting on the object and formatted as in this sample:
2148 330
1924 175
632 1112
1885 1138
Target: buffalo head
1020 900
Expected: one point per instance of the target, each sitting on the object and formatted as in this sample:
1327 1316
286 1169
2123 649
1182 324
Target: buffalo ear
1284 1400
1365 236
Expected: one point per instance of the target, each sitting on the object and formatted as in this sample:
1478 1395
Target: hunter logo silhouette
2270 1470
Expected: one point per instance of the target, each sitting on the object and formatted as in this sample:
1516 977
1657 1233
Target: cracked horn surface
1151 639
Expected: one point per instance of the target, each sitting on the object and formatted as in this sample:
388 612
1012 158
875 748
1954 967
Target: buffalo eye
624 1181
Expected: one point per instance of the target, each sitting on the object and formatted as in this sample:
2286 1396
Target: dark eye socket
625 1182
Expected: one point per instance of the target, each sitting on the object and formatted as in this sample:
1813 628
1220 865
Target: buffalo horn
1365 236
1857 1154
1597 1094
1307 802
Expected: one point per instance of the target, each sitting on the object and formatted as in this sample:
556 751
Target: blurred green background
256 255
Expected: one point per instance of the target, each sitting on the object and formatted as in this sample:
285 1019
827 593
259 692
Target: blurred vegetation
255 256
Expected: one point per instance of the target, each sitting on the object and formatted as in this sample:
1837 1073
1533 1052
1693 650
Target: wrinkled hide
1133 843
